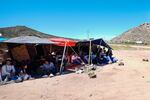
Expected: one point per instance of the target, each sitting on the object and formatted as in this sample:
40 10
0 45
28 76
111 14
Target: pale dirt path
113 82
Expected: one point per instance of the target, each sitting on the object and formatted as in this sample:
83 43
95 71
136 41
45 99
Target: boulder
145 60
92 74
121 64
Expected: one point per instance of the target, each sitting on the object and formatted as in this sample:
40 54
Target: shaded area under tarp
97 42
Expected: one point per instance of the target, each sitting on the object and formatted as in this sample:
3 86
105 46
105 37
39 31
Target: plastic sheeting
29 40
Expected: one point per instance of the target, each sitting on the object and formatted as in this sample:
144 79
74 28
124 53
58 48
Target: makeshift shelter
25 47
100 42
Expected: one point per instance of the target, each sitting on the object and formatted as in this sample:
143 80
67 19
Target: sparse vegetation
129 47
122 47
10 32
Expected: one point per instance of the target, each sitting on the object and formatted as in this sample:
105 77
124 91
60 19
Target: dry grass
129 47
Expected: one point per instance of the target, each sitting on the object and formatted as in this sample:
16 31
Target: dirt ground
113 82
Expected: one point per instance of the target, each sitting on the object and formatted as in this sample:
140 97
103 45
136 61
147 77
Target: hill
10 32
140 34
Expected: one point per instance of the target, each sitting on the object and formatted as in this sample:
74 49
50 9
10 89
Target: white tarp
29 40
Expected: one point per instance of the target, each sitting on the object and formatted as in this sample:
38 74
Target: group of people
52 64
12 72
100 57
8 72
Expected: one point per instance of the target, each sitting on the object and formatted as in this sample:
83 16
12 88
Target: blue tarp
3 39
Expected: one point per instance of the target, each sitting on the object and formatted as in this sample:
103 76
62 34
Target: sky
79 19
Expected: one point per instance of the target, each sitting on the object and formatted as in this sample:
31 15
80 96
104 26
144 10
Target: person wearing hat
8 70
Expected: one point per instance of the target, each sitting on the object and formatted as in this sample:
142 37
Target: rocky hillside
9 32
140 34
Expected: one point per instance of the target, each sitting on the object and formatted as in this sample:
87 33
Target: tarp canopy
29 40
98 42
63 41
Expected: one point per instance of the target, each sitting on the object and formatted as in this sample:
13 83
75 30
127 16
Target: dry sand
113 82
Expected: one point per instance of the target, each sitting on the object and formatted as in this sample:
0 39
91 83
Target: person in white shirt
8 70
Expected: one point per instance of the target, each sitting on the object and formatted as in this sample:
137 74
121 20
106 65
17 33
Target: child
23 73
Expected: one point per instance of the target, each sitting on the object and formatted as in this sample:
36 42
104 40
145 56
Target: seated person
86 58
101 57
75 59
104 57
92 58
48 68
109 55
8 71
24 73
